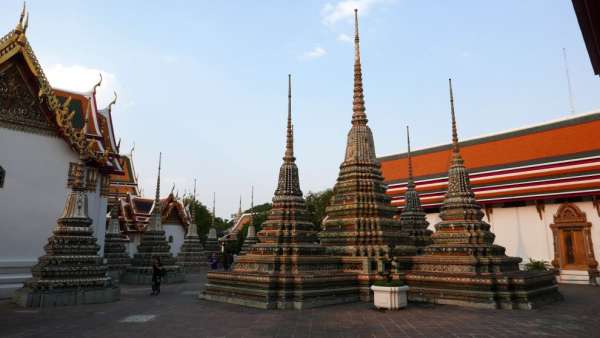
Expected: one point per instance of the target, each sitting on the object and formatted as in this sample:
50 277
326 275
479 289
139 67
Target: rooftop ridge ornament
23 19
97 84
358 103
112 102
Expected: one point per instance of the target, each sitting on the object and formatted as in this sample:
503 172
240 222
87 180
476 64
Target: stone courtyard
177 312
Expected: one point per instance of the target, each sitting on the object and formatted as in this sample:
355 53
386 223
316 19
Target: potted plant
389 294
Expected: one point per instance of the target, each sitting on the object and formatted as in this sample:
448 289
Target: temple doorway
573 249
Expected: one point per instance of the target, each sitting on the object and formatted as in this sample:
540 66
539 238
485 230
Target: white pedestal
391 298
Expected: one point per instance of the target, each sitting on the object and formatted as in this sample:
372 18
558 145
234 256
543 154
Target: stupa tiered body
153 244
360 219
71 272
413 217
115 247
287 269
211 245
192 256
463 266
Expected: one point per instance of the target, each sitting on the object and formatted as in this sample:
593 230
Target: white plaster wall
178 233
34 193
521 231
134 241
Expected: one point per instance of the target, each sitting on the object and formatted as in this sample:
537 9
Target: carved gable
20 108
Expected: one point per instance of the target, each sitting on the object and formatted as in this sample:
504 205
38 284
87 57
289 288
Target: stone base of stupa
248 243
143 275
27 297
460 281
193 264
315 282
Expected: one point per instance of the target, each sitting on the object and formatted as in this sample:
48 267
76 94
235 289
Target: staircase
574 277
12 276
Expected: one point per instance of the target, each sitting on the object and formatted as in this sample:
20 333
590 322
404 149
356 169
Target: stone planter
391 298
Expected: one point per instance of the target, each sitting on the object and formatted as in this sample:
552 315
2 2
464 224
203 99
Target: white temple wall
97 210
34 192
33 197
521 231
178 233
134 241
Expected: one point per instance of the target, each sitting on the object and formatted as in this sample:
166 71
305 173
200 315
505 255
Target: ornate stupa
251 238
115 246
287 269
413 218
463 266
212 241
71 272
360 217
153 244
192 256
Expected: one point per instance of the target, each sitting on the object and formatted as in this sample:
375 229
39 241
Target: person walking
214 261
157 274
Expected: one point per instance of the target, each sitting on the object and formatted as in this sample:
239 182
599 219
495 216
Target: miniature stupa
287 269
192 256
463 266
153 244
71 272
413 217
115 246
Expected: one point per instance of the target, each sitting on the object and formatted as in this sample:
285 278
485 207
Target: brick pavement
178 313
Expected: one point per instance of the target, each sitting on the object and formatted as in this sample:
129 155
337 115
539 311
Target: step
574 277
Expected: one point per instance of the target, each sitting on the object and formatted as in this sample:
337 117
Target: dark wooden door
573 256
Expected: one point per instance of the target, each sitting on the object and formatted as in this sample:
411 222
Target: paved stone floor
178 313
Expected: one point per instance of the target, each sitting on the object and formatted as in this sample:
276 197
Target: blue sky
205 82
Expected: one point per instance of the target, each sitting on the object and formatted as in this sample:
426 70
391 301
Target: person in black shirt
157 272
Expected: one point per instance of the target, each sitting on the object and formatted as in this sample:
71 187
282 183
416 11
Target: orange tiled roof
560 158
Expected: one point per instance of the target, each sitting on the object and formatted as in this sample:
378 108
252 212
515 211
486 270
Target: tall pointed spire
455 148
358 103
213 209
193 229
240 207
411 182
288 173
289 144
155 219
252 205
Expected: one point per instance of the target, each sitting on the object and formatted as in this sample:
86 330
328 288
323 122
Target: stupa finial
240 207
213 209
289 145
358 103
157 194
252 205
455 148
411 182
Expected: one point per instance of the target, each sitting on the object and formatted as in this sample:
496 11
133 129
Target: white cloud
82 79
344 38
332 13
316 53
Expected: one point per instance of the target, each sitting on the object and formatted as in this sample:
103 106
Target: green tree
316 203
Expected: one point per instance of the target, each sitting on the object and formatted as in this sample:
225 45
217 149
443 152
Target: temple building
539 188
43 132
134 211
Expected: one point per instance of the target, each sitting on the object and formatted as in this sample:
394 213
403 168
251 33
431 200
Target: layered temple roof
127 183
135 212
73 116
561 159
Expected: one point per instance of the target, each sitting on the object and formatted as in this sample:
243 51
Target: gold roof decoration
15 42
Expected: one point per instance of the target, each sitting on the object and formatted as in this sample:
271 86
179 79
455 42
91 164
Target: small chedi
192 256
413 217
463 266
115 246
153 244
360 219
71 272
212 241
287 269
251 238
